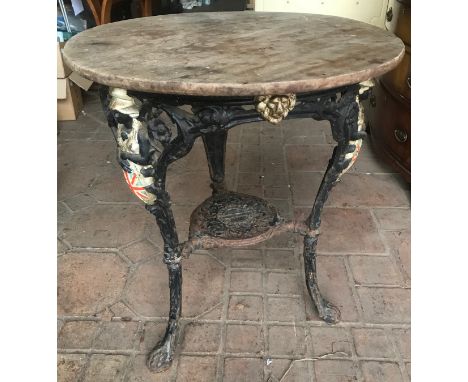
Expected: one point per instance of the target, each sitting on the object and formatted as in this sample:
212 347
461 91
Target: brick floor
246 312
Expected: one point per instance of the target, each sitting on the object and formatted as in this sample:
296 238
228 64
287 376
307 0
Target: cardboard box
69 100
63 71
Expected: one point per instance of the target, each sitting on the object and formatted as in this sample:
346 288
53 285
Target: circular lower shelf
233 216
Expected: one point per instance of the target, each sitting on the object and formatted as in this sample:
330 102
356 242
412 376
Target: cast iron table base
154 130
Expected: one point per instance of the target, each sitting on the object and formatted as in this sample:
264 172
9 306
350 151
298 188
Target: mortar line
223 330
92 351
85 368
390 335
352 286
133 352
390 252
309 350
318 324
266 343
227 278
349 207
66 206
127 367
354 356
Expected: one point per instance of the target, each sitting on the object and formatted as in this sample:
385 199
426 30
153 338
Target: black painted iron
223 219
215 148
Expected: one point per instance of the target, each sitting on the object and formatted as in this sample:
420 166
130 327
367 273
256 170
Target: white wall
369 11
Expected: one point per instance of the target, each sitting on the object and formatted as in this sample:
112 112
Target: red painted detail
133 188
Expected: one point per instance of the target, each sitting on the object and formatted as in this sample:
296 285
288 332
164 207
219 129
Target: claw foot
160 358
329 312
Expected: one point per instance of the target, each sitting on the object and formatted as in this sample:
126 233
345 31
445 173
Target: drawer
399 79
403 25
390 124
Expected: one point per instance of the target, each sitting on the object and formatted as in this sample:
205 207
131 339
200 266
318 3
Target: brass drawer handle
400 135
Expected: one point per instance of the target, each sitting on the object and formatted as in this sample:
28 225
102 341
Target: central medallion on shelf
233 216
231 219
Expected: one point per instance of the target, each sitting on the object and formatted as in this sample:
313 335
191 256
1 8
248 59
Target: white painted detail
364 86
121 102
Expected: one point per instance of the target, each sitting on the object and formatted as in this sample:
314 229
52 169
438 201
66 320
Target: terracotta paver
381 371
385 305
372 343
403 340
246 312
308 157
333 370
242 281
244 339
77 334
374 270
281 259
115 335
283 283
245 308
70 367
286 340
243 370
362 190
106 368
330 340
140 251
146 291
196 369
393 218
89 282
399 244
347 230
105 226
201 337
245 258
285 309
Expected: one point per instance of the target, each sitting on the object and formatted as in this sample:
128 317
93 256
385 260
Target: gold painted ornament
275 108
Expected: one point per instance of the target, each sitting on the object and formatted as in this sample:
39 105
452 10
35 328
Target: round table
168 80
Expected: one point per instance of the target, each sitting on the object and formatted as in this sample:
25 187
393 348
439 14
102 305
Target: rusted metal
231 219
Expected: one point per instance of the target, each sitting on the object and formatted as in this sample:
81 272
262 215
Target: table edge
236 89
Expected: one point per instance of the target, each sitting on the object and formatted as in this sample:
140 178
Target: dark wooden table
229 68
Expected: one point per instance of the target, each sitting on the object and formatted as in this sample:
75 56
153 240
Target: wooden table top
233 53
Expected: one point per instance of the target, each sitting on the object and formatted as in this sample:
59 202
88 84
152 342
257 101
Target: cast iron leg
160 358
215 148
345 124
138 129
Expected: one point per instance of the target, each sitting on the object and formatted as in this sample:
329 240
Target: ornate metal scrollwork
213 116
135 151
352 156
146 147
275 108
